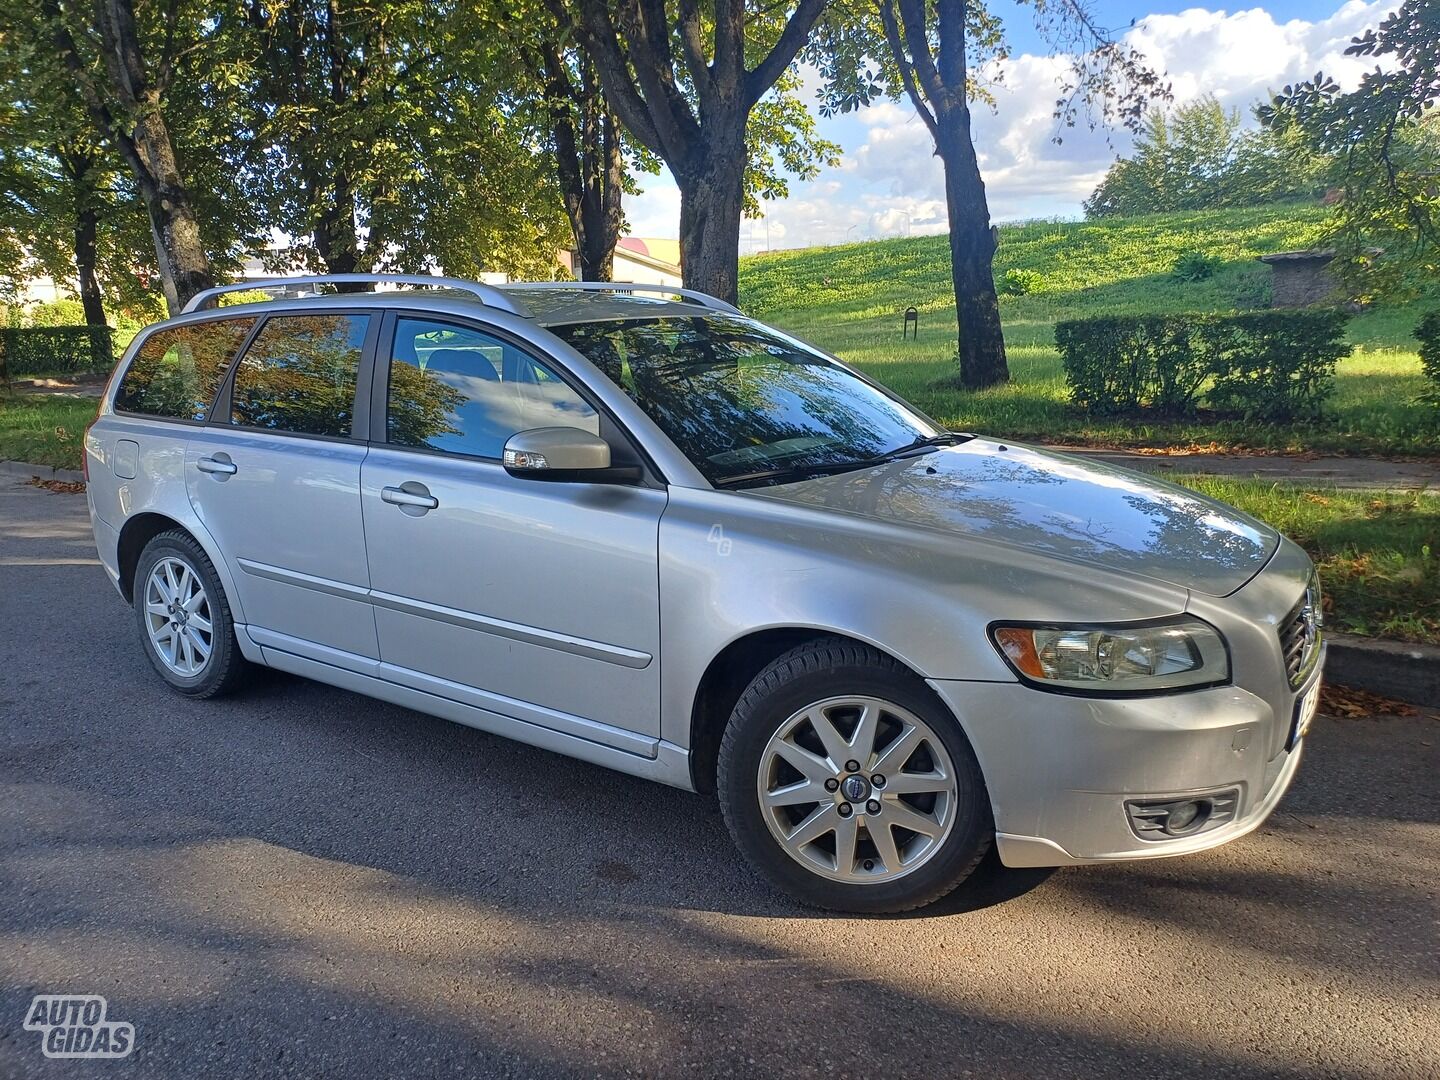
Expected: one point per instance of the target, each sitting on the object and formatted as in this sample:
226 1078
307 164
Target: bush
1275 365
1020 282
1121 363
52 350
56 313
1428 333
1194 266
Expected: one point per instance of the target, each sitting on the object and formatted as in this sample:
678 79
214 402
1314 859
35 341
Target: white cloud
890 183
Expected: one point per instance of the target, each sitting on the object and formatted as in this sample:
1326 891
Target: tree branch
907 69
792 39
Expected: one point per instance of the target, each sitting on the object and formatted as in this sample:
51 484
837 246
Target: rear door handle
410 496
220 463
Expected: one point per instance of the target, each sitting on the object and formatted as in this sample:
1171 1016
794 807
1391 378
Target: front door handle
220 463
411 496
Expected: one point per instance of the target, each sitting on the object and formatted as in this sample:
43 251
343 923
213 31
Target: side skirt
669 765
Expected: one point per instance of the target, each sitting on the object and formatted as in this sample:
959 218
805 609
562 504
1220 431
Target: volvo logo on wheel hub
855 788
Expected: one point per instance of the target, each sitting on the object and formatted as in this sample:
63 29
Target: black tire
226 670
831 667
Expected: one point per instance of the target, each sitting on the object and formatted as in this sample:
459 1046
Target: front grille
1300 634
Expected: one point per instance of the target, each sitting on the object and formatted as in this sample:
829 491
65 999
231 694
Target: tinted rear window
299 375
177 370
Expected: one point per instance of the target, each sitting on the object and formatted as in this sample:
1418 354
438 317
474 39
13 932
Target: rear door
535 600
275 477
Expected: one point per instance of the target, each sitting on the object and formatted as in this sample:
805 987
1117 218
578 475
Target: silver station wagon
629 524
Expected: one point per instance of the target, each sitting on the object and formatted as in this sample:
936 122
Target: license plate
1305 710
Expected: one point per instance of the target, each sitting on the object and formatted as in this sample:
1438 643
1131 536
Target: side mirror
564 454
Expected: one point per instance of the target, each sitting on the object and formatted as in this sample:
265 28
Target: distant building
1301 278
643 260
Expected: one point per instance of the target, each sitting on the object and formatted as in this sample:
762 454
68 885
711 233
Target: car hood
1054 504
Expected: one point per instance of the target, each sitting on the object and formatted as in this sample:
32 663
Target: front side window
745 403
463 391
176 371
299 375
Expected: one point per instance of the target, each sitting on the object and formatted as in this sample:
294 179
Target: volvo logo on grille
855 788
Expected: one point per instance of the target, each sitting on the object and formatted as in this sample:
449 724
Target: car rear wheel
184 618
848 784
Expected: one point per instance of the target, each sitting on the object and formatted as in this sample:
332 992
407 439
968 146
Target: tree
67 210
122 66
926 47
589 157
1198 157
1385 138
379 136
685 82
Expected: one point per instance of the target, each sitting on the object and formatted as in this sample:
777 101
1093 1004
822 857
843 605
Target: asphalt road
301 882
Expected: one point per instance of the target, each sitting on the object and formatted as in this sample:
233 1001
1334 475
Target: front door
535 600
275 477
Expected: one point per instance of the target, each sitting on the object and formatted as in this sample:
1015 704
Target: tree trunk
80 169
981 351
172 215
712 195
87 221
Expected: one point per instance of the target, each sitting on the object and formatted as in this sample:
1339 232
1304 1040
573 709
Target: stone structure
1301 278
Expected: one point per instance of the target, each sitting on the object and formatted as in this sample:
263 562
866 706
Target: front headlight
1174 655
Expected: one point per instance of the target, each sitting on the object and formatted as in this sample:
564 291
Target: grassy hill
850 300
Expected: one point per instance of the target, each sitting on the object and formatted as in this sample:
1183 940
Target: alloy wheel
857 789
178 617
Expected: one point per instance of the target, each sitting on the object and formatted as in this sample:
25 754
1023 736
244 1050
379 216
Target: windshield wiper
802 472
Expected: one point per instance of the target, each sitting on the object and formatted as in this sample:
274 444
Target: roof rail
486 294
694 296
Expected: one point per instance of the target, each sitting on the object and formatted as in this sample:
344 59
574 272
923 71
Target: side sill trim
522 712
668 764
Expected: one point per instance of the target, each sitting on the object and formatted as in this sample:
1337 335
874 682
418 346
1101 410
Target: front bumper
1060 769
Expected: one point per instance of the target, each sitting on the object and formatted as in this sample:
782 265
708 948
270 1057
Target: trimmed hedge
1428 334
48 350
1276 366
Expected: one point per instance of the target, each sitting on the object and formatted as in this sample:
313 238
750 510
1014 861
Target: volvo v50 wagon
629 524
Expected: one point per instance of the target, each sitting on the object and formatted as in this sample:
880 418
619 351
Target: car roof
546 303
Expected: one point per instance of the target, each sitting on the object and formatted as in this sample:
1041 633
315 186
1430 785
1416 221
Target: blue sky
889 182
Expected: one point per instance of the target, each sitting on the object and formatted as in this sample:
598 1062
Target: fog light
1167 819
1182 816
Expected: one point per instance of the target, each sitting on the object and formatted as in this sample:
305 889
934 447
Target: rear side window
299 375
176 372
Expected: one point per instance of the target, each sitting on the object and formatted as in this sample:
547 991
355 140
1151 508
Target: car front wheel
847 783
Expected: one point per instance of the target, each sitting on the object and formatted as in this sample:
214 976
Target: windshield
745 403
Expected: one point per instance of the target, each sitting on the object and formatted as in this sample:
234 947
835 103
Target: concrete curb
1394 669
44 472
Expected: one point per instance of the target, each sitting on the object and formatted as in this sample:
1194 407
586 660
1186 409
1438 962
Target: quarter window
299 375
176 371
460 390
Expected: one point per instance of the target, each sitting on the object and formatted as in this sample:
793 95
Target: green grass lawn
850 300
1378 554
44 429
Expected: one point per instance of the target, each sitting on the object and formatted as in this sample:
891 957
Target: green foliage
1385 136
1271 366
56 313
1274 366
49 350
1017 282
1194 266
1197 157
1428 334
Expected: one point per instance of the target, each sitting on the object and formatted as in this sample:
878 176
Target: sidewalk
1356 473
